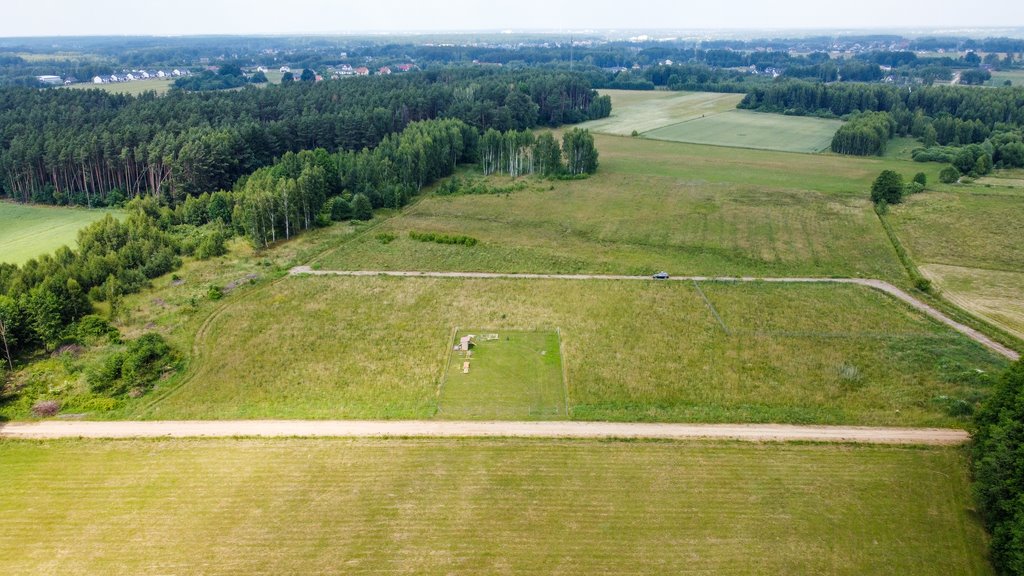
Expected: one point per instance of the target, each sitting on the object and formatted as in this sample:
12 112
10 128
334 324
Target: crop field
749 129
158 85
512 376
377 347
484 507
643 111
657 206
996 295
969 243
28 231
1016 77
710 118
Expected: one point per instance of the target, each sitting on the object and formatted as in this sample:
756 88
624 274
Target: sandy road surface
51 429
880 285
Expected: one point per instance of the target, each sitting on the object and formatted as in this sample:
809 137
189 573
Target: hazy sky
174 17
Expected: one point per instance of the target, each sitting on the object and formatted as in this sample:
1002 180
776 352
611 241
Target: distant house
285 69
50 80
144 74
114 78
161 74
261 69
384 70
465 343
130 77
406 67
362 71
97 80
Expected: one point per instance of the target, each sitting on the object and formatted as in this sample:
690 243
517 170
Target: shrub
443 238
921 178
361 207
888 186
949 175
46 408
215 292
386 237
923 284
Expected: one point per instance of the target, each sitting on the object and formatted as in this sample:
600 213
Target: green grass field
643 111
377 347
659 206
158 85
484 507
967 241
28 231
1016 77
516 377
748 129
710 118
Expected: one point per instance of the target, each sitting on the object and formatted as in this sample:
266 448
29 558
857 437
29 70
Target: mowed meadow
377 347
686 209
29 231
967 240
303 506
710 118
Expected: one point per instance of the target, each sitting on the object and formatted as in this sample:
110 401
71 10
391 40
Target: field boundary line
449 349
711 307
565 372
880 285
55 429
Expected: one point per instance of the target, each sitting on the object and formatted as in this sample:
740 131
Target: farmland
376 347
657 206
747 129
645 111
484 506
28 231
967 241
710 118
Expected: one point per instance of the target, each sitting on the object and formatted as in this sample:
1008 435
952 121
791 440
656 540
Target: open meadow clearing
484 506
748 129
996 295
377 347
28 231
690 210
642 111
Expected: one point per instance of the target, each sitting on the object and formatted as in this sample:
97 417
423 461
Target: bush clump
443 238
136 367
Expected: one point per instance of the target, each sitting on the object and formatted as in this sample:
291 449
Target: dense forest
94 148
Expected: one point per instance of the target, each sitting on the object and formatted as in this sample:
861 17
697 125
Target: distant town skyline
195 17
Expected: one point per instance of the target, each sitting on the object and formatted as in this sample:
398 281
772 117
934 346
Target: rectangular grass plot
503 375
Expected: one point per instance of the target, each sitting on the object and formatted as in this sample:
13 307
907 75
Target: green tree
949 175
361 207
307 75
921 178
888 186
579 151
998 467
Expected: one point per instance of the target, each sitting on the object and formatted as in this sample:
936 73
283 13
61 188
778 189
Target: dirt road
880 285
50 429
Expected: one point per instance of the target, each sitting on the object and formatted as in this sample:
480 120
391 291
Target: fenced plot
506 375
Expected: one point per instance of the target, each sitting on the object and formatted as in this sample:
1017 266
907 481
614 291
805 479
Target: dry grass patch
994 295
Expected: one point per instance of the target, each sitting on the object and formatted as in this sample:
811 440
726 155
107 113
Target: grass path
55 429
880 285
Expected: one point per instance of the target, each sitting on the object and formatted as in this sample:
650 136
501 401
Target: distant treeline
91 148
945 115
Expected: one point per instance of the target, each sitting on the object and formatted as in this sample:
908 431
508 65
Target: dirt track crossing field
880 285
52 429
